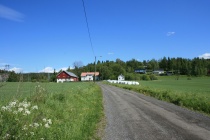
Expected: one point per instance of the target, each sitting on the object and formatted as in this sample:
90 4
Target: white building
89 76
121 77
158 72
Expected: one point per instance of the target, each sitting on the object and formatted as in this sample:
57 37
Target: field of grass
50 110
193 94
197 85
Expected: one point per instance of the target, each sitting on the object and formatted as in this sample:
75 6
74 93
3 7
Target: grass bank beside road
193 94
50 110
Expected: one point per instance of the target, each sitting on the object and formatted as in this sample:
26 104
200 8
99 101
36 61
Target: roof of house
121 75
89 73
69 73
159 70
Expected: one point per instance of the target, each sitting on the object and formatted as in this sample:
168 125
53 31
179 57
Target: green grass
197 85
74 108
193 94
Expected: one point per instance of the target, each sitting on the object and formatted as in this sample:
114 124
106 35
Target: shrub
145 77
153 77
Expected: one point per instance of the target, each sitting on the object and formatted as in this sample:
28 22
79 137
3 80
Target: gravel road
133 116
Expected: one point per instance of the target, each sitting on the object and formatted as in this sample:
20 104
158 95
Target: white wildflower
3 108
7 136
25 127
12 104
15 112
34 107
9 108
45 120
41 138
47 125
27 112
50 121
17 119
26 105
36 125
32 133
20 109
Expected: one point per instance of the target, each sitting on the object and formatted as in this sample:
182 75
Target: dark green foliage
60 97
145 77
153 77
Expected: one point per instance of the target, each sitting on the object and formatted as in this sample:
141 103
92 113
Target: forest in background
111 69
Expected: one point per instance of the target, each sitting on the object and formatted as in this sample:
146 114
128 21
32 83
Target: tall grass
64 111
193 94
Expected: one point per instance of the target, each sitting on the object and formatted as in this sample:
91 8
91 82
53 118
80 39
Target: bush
145 77
153 77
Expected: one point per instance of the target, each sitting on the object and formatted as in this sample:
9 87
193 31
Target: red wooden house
65 76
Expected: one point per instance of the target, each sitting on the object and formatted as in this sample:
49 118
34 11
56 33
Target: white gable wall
64 80
121 78
87 78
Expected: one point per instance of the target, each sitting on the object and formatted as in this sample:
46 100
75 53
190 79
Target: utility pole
95 71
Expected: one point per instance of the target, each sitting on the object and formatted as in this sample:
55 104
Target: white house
89 76
158 72
121 77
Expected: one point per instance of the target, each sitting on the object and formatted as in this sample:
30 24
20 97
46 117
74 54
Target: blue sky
42 35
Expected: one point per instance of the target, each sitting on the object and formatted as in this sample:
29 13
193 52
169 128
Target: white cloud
8 13
51 69
205 56
16 70
170 33
47 70
110 53
2 68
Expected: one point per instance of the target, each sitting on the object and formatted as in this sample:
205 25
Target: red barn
65 76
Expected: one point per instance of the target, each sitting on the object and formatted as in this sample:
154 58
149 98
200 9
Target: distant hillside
111 69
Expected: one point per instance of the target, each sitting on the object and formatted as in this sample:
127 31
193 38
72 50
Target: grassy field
193 94
197 85
50 110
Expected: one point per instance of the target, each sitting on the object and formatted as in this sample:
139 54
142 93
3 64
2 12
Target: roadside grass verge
193 94
50 111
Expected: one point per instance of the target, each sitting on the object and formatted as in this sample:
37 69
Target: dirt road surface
133 116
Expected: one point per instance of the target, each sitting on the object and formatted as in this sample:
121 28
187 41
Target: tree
53 77
77 65
153 64
163 63
13 77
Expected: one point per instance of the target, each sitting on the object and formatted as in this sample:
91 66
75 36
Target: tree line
178 66
112 69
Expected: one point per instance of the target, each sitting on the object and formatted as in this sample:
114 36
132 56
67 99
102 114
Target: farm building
65 76
121 77
158 72
141 71
89 76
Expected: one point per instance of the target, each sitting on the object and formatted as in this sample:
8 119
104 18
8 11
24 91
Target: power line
88 28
